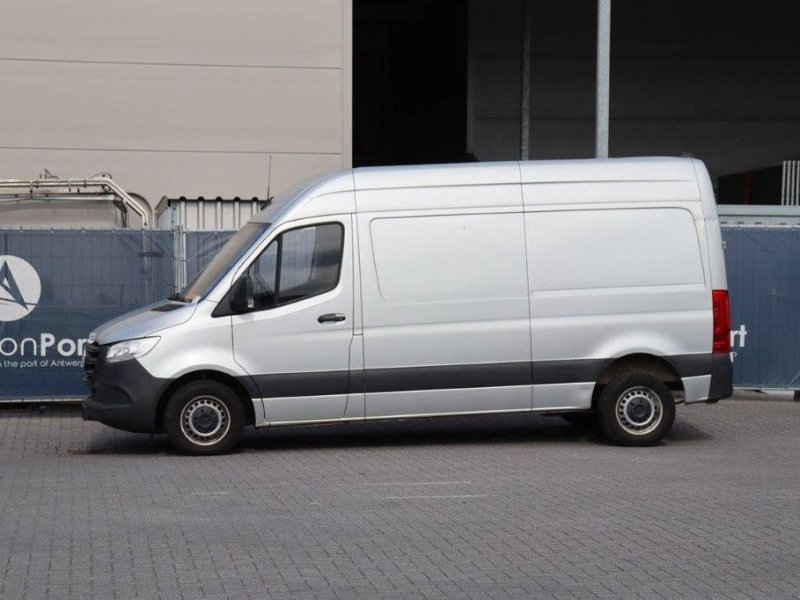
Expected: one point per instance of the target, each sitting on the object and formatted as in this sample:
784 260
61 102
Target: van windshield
232 251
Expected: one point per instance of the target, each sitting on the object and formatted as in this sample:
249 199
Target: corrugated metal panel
201 214
790 183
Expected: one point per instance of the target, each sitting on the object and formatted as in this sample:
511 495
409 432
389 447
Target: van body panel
616 335
541 195
463 289
696 389
295 197
562 396
144 321
455 198
415 403
613 248
436 176
319 205
202 343
356 398
613 169
609 280
296 409
444 295
719 279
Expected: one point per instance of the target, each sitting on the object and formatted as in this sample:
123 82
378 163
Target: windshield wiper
176 296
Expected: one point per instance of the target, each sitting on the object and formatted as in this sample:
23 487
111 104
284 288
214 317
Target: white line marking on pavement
421 483
440 497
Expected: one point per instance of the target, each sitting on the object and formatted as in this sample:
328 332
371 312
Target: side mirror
242 294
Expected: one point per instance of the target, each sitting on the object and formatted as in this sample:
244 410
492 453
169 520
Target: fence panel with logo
763 267
56 286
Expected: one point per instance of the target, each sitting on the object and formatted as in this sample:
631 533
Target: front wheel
636 410
204 417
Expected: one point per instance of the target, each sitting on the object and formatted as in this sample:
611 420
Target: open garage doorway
409 81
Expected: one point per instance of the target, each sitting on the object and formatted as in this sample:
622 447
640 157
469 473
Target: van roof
540 171
654 169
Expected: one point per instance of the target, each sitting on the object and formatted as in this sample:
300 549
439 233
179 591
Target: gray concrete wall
494 85
178 97
721 81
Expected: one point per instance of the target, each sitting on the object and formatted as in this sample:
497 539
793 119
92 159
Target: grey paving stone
489 507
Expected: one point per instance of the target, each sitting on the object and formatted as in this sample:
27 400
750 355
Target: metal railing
99 188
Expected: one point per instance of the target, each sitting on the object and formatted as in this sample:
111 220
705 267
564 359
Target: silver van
590 289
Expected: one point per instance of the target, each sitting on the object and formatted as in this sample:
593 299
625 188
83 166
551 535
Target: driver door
295 338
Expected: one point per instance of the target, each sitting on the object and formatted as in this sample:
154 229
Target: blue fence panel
201 246
56 286
763 267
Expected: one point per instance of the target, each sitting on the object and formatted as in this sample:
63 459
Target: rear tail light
722 321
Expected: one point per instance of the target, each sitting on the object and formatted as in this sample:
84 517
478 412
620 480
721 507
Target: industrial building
194 98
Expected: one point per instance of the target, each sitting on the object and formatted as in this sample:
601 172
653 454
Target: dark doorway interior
409 81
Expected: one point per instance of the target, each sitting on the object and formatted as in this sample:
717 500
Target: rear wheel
204 417
636 410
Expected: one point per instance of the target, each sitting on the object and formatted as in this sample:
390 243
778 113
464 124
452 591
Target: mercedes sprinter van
591 289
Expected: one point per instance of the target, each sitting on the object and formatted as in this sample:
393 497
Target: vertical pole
525 116
784 167
471 12
603 68
346 74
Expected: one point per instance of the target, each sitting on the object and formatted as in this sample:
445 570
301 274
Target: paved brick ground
481 508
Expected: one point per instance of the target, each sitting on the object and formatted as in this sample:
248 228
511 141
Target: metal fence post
525 121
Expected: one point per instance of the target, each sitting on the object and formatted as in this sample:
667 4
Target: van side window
298 264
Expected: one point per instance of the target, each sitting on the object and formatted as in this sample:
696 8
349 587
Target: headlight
131 349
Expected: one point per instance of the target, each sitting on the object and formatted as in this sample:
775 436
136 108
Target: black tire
585 420
204 417
636 410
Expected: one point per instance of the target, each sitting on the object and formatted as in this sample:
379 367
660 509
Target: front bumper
124 395
127 418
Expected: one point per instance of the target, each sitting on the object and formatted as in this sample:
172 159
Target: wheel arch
656 366
234 384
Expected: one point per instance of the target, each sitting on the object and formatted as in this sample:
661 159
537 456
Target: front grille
91 358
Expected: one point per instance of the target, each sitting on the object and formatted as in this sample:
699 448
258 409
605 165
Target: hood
143 321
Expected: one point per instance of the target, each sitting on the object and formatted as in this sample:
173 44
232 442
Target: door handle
331 318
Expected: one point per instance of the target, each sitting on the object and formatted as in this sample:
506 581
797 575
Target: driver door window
298 264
